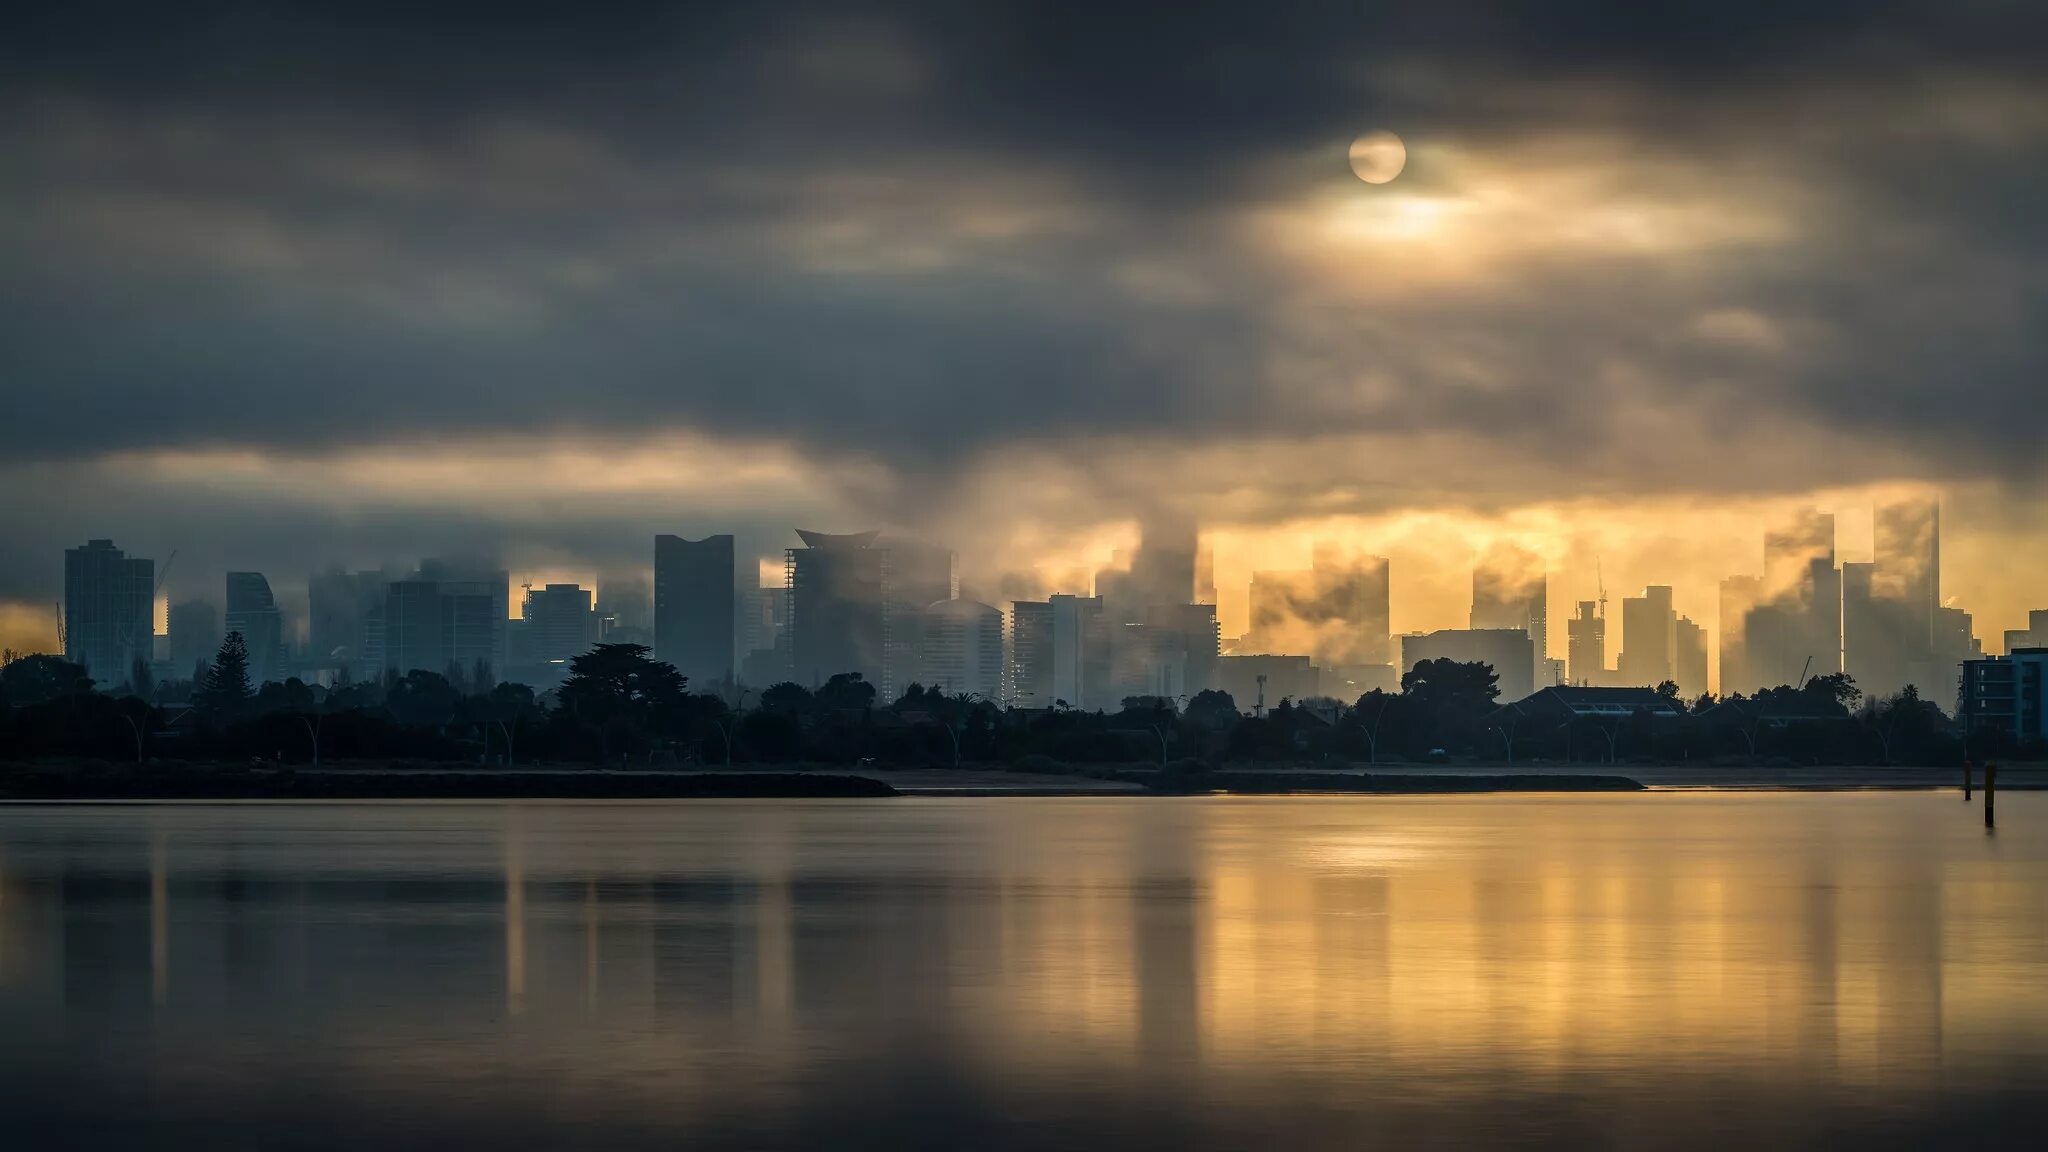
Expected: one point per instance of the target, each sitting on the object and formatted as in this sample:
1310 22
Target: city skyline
1882 620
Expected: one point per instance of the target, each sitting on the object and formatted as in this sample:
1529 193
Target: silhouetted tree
225 688
1451 697
786 699
846 690
1212 708
1668 689
140 682
34 679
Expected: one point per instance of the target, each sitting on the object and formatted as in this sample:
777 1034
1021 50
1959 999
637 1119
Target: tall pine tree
226 687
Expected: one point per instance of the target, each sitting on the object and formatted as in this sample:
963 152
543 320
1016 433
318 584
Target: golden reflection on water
693 956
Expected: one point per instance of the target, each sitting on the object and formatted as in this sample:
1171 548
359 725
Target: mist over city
897 573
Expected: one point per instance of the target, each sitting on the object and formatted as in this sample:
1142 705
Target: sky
289 284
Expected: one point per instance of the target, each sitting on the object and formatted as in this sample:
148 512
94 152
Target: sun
1378 157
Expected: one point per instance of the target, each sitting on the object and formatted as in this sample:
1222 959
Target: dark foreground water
1650 971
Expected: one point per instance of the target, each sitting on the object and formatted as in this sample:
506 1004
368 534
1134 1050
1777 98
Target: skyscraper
1031 649
1080 652
252 611
561 623
195 635
1889 605
1795 629
693 607
963 648
109 610
835 606
1649 645
1739 596
1689 658
345 621
914 577
1586 645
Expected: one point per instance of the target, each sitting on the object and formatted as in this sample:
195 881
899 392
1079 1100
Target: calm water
1648 971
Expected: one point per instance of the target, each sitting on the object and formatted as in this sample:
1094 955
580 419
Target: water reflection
1642 970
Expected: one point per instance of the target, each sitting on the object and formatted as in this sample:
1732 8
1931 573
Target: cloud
287 282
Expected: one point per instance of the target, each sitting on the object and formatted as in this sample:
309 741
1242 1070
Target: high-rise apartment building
195 635
1080 653
914 577
1689 658
1031 651
1586 645
560 624
962 648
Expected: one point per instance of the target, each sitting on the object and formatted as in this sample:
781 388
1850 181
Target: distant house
1563 703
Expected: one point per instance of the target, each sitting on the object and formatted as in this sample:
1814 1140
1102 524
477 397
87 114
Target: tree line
621 707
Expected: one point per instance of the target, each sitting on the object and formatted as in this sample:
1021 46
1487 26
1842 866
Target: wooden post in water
1966 779
1990 793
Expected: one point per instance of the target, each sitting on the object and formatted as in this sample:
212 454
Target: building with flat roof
963 649
1031 650
1649 641
1510 652
2006 693
109 611
693 608
252 611
835 606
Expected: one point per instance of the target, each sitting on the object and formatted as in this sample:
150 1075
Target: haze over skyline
284 290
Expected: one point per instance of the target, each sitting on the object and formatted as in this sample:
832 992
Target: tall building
914 577
1031 650
446 626
195 635
1080 653
1689 658
561 624
345 621
1336 612
1511 590
1510 651
1147 660
1200 644
252 611
963 648
693 607
835 606
1649 644
109 610
1163 571
1739 596
1586 645
1889 605
1794 632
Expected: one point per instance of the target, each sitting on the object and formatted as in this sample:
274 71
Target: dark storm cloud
929 233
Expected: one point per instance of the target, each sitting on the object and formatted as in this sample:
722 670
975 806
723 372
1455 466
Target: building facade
252 611
963 649
693 608
835 607
109 611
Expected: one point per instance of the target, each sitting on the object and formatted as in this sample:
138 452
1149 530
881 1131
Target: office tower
1205 574
1511 590
1510 652
693 607
560 624
345 621
109 610
1689 658
627 600
1080 652
1794 632
1649 645
1146 660
835 607
252 611
444 625
195 635
1201 640
963 649
1586 645
1889 605
914 577
1031 649
1739 596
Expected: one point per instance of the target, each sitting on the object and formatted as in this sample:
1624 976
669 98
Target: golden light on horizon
1378 157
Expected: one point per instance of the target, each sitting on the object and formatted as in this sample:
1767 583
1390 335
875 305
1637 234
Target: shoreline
63 783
